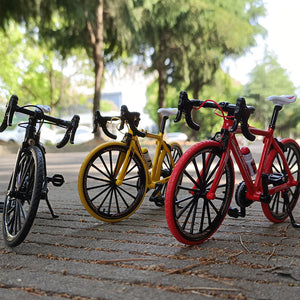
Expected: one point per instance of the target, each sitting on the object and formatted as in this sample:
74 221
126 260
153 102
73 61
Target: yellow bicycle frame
153 176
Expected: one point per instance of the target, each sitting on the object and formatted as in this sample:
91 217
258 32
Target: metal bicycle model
115 176
28 183
201 187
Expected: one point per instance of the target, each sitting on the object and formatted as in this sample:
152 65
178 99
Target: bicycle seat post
276 110
163 124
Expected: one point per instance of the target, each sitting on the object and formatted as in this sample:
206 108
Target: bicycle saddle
282 100
166 112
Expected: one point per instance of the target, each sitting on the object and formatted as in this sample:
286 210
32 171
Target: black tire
276 210
23 196
191 216
99 193
167 168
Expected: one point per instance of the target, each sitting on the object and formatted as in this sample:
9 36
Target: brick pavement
79 257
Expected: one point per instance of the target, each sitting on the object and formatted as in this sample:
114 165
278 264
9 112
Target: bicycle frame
254 188
153 176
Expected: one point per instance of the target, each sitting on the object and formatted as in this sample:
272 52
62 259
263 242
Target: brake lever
101 121
241 115
178 116
133 119
12 108
240 103
65 139
182 101
9 112
74 125
185 106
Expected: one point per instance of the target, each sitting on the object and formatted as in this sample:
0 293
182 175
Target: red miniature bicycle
201 186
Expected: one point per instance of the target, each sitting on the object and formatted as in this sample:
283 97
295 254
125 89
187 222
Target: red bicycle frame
254 188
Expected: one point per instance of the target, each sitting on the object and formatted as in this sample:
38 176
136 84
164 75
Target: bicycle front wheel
276 210
23 196
191 217
98 191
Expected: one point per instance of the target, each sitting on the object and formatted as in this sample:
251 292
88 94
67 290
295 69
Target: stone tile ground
79 257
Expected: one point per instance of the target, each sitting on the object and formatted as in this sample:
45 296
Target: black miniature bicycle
28 183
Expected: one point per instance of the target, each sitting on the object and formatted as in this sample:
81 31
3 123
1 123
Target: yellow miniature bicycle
115 176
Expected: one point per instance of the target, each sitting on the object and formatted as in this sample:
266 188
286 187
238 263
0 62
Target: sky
283 39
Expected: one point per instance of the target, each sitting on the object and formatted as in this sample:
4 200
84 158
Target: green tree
189 39
36 74
266 79
221 88
65 25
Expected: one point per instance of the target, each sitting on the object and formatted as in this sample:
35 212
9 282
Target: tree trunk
161 92
96 39
195 134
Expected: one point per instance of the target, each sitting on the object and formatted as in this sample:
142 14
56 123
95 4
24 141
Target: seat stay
255 189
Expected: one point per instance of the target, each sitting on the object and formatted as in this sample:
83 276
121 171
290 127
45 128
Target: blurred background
81 56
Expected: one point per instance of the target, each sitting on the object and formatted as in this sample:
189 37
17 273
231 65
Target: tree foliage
35 73
266 79
186 40
189 39
222 88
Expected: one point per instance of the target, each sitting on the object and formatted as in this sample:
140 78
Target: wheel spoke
195 217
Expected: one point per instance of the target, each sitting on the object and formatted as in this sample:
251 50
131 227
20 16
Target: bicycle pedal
233 212
56 180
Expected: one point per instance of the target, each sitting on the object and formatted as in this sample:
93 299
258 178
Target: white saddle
166 112
282 100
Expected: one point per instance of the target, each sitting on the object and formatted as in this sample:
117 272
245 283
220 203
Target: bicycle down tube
134 148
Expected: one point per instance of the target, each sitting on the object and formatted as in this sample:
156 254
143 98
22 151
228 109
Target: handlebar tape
75 122
9 113
12 108
70 133
101 121
185 106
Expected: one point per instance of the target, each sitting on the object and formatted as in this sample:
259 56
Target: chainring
240 195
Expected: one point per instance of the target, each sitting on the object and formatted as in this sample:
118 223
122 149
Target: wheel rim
106 199
167 167
18 200
197 218
276 210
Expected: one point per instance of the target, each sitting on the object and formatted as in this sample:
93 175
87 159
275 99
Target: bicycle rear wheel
166 171
276 210
98 191
191 217
23 196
